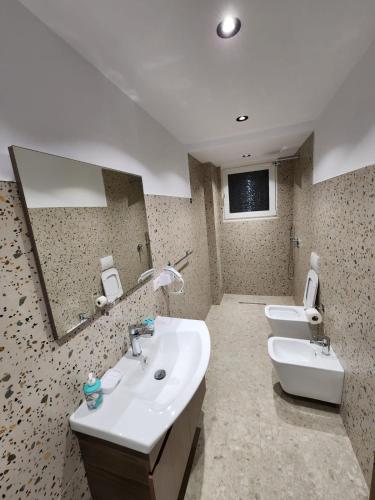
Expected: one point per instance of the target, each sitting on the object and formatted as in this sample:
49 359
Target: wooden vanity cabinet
118 473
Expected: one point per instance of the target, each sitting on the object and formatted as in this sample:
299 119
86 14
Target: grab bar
187 254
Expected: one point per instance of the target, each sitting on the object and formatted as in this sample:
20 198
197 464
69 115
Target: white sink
141 409
304 370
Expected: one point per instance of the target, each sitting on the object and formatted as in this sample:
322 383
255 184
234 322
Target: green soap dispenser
93 392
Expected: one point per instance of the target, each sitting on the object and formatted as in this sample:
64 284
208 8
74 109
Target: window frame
272 186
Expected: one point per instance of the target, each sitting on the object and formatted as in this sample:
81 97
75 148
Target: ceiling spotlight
246 155
242 118
228 27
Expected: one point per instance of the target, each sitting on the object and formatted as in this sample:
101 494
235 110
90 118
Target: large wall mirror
89 228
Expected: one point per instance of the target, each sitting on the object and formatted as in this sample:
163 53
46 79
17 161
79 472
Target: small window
249 192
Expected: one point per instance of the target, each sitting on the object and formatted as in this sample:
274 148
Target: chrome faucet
325 342
137 331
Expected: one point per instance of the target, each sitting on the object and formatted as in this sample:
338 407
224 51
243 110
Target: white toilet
291 321
110 279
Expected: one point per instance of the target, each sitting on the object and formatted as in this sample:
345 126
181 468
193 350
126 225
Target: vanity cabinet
118 473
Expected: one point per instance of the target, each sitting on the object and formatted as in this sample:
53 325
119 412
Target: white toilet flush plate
305 371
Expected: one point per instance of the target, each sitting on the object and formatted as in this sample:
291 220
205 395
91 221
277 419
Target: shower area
253 256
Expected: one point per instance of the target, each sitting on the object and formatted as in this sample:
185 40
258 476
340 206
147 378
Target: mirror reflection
89 226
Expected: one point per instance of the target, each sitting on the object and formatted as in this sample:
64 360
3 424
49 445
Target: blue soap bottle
93 392
149 324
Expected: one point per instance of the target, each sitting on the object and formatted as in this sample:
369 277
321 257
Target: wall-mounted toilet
110 279
305 371
292 321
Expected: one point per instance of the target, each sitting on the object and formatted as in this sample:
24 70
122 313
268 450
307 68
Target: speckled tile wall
341 217
255 253
41 379
212 194
302 210
80 243
178 225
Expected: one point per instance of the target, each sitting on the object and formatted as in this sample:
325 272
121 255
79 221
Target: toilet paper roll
101 301
313 315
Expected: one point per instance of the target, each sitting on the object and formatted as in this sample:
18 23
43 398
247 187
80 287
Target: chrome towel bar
187 254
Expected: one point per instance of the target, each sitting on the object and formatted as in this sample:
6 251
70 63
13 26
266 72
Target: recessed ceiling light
242 118
246 155
228 27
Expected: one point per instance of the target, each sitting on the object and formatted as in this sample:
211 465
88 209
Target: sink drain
160 374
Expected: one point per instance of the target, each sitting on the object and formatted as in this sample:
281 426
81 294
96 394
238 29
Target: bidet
304 370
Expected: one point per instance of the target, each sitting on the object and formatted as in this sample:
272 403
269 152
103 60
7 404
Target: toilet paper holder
101 301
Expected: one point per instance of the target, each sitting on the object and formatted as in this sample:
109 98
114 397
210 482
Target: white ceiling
281 69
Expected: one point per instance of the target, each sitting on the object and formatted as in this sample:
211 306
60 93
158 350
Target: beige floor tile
257 443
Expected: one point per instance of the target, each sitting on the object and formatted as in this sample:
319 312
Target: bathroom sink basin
305 371
141 409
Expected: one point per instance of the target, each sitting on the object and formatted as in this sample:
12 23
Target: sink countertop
141 409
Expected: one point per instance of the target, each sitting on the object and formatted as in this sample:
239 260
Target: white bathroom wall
53 101
53 181
345 132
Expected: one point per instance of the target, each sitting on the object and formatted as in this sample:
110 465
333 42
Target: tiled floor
256 442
